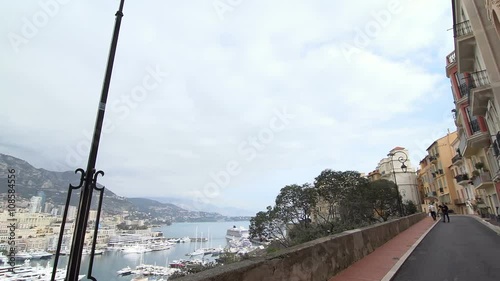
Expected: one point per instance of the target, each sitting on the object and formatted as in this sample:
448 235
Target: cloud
225 80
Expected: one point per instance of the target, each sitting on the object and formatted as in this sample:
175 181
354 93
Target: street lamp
402 159
88 180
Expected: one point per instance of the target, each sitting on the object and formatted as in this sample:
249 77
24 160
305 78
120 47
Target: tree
341 198
356 208
293 209
383 197
294 204
409 207
268 226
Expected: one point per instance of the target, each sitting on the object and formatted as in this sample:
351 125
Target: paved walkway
464 250
384 261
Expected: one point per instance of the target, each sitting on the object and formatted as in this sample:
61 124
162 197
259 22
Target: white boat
237 233
31 273
125 271
198 252
23 256
39 254
136 249
185 239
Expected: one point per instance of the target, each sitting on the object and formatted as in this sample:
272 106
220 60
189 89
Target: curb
493 227
392 272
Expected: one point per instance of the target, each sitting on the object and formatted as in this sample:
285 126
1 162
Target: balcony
459 201
431 195
464 90
451 63
465 46
483 181
480 92
476 141
451 59
462 179
457 160
492 157
432 159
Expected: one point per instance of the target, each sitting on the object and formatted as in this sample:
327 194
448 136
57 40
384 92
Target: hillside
30 180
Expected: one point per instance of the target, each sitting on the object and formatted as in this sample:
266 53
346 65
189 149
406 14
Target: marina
158 258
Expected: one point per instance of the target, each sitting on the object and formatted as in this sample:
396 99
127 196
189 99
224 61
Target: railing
474 126
431 194
451 58
462 29
496 150
479 79
432 158
459 201
456 158
493 161
482 178
464 89
462 177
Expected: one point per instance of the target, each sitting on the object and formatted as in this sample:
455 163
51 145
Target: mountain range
188 204
31 180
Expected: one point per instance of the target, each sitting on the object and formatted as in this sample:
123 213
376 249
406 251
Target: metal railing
462 29
431 194
474 126
462 177
479 79
456 158
464 90
482 178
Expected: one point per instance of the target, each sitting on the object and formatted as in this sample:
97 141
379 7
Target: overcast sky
223 100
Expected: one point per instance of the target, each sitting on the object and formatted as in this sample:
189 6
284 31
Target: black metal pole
400 205
77 244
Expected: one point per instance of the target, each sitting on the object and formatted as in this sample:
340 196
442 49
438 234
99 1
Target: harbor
206 242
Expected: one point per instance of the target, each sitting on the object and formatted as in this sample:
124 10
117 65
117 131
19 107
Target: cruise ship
237 233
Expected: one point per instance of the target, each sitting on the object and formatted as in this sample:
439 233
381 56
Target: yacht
38 254
136 249
23 256
237 233
30 273
125 271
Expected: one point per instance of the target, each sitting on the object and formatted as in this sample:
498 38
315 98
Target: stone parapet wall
317 260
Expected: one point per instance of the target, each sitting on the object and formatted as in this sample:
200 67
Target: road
462 250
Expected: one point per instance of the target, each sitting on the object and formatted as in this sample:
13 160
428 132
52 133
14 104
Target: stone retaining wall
317 260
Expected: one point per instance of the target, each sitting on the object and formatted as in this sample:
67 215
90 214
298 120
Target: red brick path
381 261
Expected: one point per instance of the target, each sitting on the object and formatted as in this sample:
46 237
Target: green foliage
409 208
479 165
336 202
383 197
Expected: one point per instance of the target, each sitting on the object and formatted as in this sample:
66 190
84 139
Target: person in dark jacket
444 211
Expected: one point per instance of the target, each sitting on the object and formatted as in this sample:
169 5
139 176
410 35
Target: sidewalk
384 262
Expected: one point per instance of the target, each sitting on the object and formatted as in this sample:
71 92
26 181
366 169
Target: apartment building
425 183
474 74
439 161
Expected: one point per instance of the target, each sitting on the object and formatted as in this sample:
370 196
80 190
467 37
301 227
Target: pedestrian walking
444 211
432 211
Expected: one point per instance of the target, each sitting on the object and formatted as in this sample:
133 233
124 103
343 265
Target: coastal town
37 230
